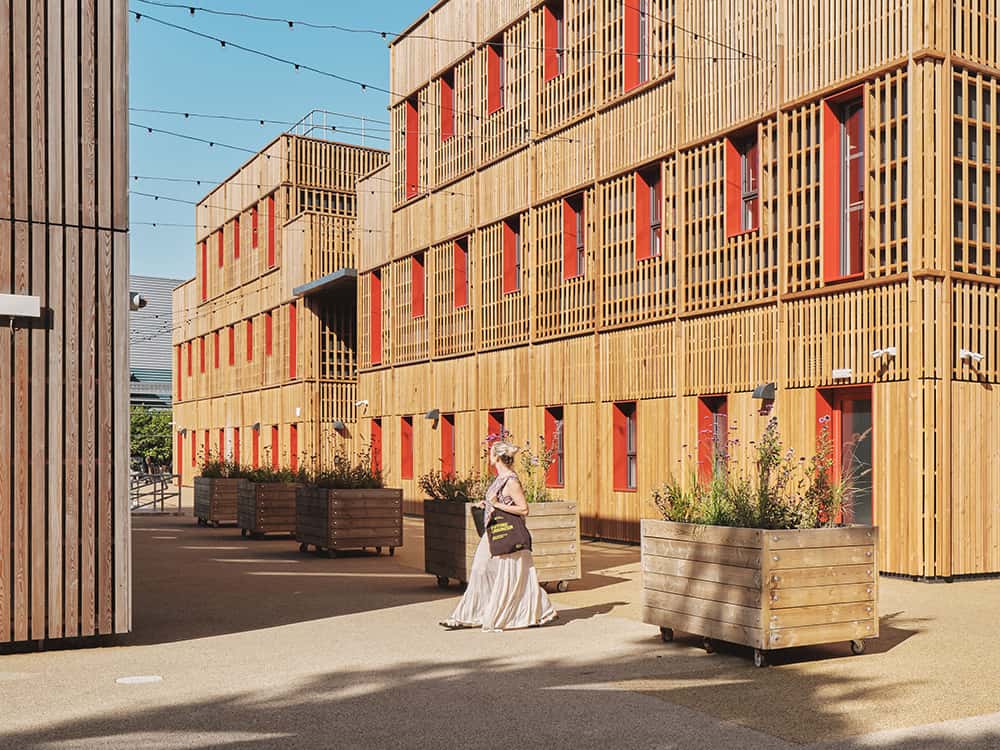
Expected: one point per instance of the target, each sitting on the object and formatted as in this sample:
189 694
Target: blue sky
173 70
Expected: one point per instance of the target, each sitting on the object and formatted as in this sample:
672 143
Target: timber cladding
764 589
65 555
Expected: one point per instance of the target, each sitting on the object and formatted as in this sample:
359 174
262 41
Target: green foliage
773 491
151 434
534 472
451 487
350 475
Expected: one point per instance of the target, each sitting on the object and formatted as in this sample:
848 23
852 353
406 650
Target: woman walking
503 592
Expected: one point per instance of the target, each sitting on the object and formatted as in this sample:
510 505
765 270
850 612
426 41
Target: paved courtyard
259 646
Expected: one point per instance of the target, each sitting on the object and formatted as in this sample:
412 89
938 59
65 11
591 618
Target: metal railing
150 492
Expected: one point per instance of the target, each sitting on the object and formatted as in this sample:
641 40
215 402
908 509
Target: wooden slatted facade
65 551
720 302
265 373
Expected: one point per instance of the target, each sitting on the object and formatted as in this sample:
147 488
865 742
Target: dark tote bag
508 533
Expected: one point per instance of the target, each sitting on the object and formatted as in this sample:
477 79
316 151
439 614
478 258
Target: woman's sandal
449 625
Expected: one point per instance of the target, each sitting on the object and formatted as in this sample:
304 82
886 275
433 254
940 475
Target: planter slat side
814 595
806 577
824 614
717 592
703 608
819 634
741 557
701 571
688 532
816 557
859 536
723 631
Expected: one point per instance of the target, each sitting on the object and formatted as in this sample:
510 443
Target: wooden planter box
216 500
335 520
269 509
763 589
452 532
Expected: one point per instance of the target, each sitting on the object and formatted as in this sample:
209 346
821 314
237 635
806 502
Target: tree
152 436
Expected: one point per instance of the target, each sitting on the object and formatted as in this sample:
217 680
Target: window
844 183
556 476
376 318
555 40
574 237
232 345
376 438
495 422
636 43
222 247
218 347
412 148
496 74
293 446
204 270
255 431
293 354
201 359
236 238
648 214
448 445
461 273
275 447
268 334
417 293
270 232
249 339
742 185
406 448
713 435
844 418
625 445
254 227
447 105
512 255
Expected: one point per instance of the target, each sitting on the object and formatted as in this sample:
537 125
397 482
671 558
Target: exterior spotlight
434 415
765 392
339 426
362 404
183 431
970 356
136 301
889 351
256 427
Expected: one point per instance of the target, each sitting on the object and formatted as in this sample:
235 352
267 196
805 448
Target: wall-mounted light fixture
339 426
889 352
967 355
765 392
256 426
433 414
362 404
136 302
183 431
20 306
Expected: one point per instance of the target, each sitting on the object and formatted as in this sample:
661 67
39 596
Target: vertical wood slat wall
721 314
65 554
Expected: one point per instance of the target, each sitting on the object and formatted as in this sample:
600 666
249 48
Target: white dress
503 592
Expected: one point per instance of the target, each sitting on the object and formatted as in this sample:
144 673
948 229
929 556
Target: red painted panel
461 274
293 354
406 448
190 358
494 76
412 149
495 422
643 237
417 295
553 48
179 462
570 269
201 346
448 445
218 348
734 184
831 193
753 165
194 449
180 373
511 282
255 447
249 339
376 319
222 247
447 107
270 232
204 270
552 475
376 438
222 444
275 447
236 445
268 333
236 238
632 57
232 345
620 447
293 446
704 425
208 449
254 227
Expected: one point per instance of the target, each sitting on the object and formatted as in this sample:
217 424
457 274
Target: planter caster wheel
243 532
201 522
303 547
858 647
759 658
392 551
666 634
442 582
562 587
706 643
378 550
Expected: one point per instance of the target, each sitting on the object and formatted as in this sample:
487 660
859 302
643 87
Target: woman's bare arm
516 493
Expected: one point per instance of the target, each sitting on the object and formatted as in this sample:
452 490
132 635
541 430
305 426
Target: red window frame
555 441
232 345
636 47
406 447
293 353
447 106
194 448
207 446
626 464
268 334
222 247
236 445
254 227
376 318
712 439
201 358
830 415
217 346
180 372
448 445
574 237
412 148
555 39
376 439
271 253
275 447
249 339
512 252
495 75
222 443
461 274
418 295
236 238
255 446
649 213
179 463
495 421
293 446
837 187
742 184
204 270
190 358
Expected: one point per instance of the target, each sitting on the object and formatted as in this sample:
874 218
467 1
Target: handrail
147 491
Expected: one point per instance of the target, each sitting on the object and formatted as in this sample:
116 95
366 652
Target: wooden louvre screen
180 373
